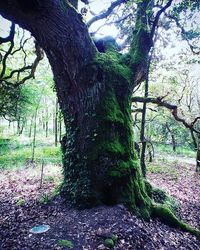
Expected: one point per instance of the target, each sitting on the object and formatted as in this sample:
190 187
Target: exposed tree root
163 213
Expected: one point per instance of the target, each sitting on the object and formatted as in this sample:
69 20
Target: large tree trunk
94 92
100 165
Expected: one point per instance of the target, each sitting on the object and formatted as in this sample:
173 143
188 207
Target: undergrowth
14 154
180 150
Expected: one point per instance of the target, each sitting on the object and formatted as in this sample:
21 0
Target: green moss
20 202
160 196
101 146
123 168
166 216
143 203
111 62
66 243
111 109
109 243
138 54
171 203
148 188
114 238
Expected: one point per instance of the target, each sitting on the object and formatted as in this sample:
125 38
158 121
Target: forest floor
23 204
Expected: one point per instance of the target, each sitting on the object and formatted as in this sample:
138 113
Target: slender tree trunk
22 127
18 125
198 154
35 127
53 123
194 139
43 121
172 137
31 124
13 127
143 121
47 122
47 128
34 136
150 150
60 126
56 124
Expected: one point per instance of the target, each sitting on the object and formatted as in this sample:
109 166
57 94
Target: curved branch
17 71
106 13
155 23
39 57
184 34
11 39
110 23
174 110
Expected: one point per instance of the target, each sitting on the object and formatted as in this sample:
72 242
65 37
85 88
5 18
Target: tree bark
98 146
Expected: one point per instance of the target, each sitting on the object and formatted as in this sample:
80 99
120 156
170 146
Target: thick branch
159 101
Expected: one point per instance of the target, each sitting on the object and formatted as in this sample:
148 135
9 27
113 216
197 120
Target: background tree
17 67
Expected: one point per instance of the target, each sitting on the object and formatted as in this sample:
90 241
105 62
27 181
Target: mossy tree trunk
100 165
94 92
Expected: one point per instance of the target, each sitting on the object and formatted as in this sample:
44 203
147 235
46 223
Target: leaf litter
21 208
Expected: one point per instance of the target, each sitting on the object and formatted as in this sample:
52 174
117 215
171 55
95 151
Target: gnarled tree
94 92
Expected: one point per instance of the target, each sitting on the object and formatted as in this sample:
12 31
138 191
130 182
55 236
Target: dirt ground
23 205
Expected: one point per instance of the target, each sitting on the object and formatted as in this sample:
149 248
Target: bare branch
110 23
155 23
184 33
173 108
39 57
11 39
106 13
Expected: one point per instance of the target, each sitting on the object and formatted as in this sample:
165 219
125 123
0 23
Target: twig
42 173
